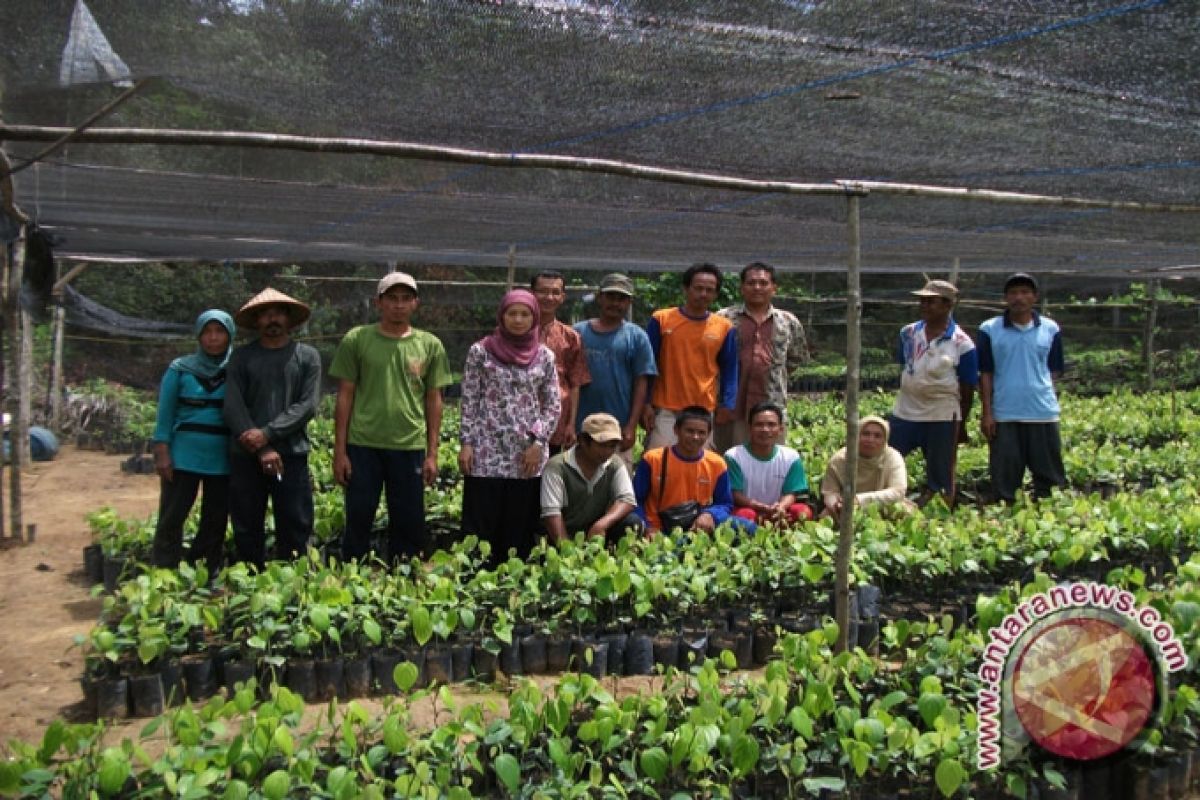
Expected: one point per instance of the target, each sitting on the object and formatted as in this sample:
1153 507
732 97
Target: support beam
427 152
845 548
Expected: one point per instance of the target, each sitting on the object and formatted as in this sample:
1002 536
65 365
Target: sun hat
395 279
943 289
247 315
602 428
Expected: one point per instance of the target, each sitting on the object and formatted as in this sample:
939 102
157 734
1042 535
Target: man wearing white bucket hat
271 394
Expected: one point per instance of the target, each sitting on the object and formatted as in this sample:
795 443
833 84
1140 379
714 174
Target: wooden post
58 323
845 548
954 270
58 328
1148 334
512 266
12 319
6 249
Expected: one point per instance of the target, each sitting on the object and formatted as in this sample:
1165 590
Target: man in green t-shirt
387 421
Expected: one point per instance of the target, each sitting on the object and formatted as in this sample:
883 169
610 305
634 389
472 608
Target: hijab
209 370
507 348
869 474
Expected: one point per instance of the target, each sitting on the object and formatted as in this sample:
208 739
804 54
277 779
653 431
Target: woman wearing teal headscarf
191 446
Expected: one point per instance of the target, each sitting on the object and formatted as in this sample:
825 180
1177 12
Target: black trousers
398 474
175 500
1036 445
505 512
291 501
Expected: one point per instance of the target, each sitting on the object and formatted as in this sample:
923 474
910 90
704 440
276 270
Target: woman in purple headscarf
510 406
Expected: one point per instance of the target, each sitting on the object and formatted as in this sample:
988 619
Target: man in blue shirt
1020 356
620 360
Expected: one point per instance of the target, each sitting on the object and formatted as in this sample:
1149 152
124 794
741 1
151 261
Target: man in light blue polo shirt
1020 356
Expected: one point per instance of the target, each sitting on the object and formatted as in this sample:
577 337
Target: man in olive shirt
271 393
587 488
387 421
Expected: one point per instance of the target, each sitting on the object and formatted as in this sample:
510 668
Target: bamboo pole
57 324
1148 334
12 319
427 152
6 248
845 548
512 268
72 133
58 330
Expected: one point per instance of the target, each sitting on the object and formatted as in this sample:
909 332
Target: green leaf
508 771
10 777
892 699
282 740
372 631
813 573
277 785
1016 785
405 675
931 707
114 770
654 763
422 626
801 722
745 755
949 776
236 790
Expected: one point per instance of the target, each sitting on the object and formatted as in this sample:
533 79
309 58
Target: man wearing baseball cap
271 392
1020 357
620 360
387 421
937 386
587 489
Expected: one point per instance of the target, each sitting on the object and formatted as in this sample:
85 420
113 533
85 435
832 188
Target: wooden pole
1148 335
512 267
954 270
12 319
7 249
58 327
427 152
845 548
56 366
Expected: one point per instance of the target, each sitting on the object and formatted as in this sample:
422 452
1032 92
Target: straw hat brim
298 313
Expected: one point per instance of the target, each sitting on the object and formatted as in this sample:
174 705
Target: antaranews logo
1077 670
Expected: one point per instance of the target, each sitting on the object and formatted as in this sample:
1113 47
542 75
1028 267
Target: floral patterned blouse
502 405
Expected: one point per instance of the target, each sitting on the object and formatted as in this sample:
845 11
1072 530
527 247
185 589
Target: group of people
550 412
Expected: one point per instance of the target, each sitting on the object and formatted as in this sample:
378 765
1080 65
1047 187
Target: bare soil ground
44 598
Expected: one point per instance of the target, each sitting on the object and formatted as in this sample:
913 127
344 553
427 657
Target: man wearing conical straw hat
272 391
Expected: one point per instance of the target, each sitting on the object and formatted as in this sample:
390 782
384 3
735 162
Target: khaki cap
616 282
298 313
602 428
944 289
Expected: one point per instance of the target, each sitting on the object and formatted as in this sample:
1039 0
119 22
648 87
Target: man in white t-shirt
767 479
937 387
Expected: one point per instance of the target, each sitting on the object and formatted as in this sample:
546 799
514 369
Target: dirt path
44 599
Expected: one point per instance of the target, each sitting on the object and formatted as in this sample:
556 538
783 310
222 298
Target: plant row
813 724
934 561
